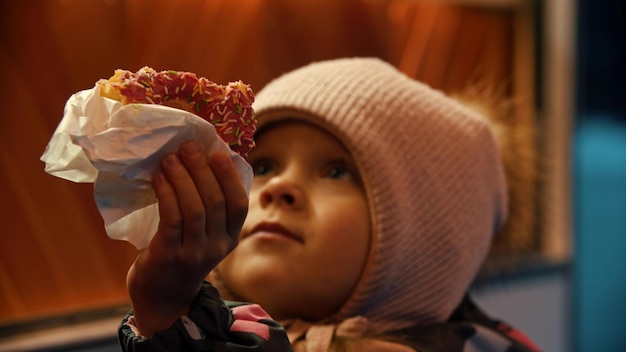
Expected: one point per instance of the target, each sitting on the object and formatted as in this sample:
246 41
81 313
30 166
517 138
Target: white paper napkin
118 148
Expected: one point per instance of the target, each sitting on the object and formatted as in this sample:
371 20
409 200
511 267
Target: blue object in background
599 293
599 174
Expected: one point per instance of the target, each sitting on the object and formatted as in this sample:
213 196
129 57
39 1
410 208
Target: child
371 211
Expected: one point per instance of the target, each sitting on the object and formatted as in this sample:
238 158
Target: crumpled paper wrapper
118 148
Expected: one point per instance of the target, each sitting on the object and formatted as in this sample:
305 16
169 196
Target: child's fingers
233 190
170 224
207 186
192 220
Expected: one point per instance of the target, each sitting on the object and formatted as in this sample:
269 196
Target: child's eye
262 168
340 172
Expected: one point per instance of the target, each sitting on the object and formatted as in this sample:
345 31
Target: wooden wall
54 255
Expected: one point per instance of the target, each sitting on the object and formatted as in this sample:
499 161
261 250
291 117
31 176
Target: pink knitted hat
433 177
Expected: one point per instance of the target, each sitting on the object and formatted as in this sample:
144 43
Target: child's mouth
273 230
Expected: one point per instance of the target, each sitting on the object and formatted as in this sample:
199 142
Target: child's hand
202 206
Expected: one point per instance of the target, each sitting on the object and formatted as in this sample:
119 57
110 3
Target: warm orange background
55 256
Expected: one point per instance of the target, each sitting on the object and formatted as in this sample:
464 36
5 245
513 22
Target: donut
227 107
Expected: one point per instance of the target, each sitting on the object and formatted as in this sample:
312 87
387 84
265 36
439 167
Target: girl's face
306 238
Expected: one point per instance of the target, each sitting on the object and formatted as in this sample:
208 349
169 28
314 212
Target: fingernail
220 160
159 177
190 148
171 159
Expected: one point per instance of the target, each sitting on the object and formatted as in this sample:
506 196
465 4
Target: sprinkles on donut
227 107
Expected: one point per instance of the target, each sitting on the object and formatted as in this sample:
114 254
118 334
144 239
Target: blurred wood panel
55 257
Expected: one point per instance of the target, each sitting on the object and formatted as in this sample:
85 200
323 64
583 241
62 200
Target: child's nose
282 191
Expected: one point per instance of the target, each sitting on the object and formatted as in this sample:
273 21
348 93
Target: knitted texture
433 179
